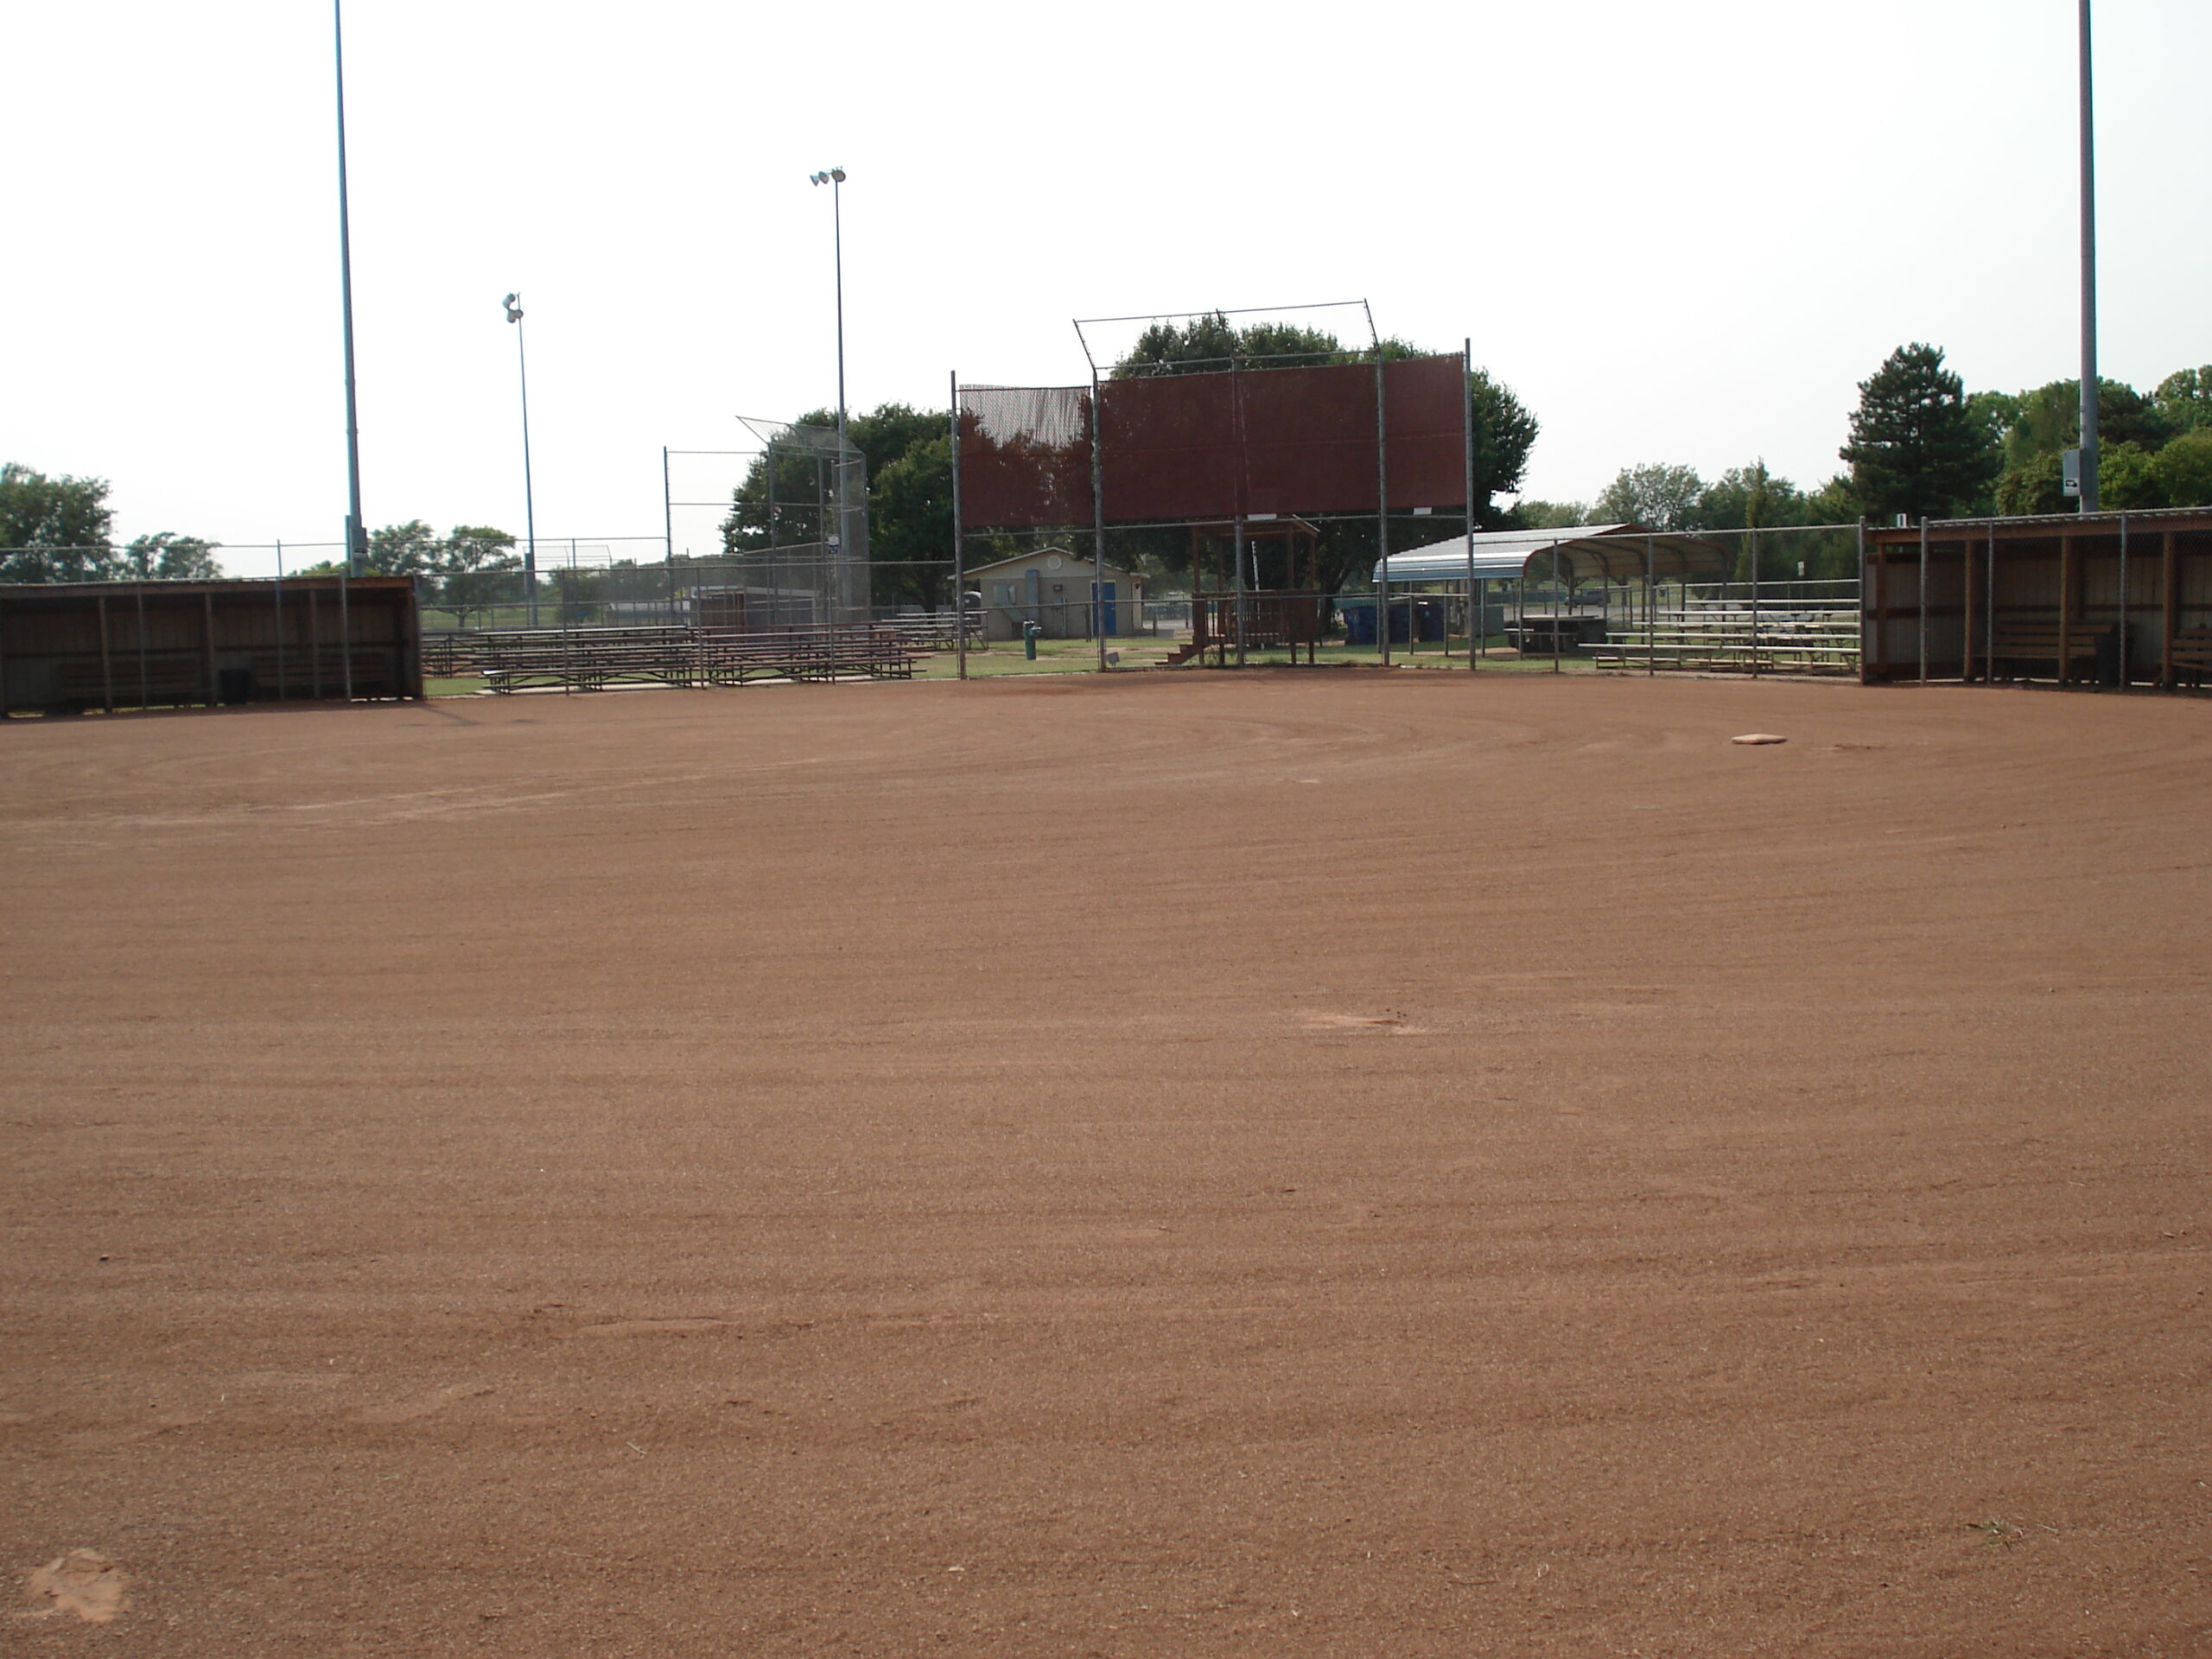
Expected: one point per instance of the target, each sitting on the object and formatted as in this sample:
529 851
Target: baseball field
1332 1164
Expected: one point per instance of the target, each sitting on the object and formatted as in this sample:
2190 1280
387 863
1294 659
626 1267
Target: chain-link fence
1273 592
1769 601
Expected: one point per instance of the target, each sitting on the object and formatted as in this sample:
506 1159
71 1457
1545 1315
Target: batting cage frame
1254 461
802 552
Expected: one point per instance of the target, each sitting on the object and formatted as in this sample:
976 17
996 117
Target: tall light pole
835 178
355 547
2088 280
513 303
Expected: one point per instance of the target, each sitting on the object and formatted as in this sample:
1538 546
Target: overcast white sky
1681 232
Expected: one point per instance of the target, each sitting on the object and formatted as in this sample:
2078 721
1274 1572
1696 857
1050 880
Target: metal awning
1606 552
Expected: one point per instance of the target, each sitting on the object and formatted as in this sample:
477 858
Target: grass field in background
1081 657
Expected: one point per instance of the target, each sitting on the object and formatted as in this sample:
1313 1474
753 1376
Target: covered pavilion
1566 558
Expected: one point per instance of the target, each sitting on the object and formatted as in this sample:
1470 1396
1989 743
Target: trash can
1359 620
2108 656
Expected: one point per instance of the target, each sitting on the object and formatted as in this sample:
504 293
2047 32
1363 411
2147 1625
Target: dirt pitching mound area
1337 1164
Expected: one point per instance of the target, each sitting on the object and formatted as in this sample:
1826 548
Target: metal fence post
1559 596
1097 527
1236 553
1382 517
1650 625
1752 541
959 569
1467 427
1870 625
668 534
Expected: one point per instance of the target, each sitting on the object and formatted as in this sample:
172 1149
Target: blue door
1108 611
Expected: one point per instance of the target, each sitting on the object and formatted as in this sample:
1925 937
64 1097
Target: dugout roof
1603 552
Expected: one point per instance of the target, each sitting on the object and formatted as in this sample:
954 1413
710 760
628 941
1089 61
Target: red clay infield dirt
1337 1164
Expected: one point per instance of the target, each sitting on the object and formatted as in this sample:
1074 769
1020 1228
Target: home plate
1759 737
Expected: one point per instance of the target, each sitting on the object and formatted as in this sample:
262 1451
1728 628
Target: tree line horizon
1919 444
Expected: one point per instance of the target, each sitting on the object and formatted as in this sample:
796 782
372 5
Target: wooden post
145 699
2168 601
279 591
315 648
409 628
207 641
1923 600
107 668
2123 602
1878 658
1965 643
1989 615
2065 608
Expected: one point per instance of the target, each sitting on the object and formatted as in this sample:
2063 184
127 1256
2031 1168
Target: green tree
804 474
410 550
2033 488
1207 343
53 529
908 455
2183 469
1549 515
166 556
1656 496
2127 480
1994 413
2049 419
1750 498
2130 479
909 530
1753 498
1834 503
1915 447
1505 432
475 571
2184 398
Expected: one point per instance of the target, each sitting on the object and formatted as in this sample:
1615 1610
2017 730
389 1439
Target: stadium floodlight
2086 121
513 304
356 536
835 178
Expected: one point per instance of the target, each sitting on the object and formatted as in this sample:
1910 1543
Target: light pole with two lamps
835 178
513 303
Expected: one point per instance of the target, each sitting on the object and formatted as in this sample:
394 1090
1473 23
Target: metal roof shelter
1606 552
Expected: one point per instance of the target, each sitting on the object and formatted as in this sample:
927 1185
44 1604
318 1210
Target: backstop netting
1232 443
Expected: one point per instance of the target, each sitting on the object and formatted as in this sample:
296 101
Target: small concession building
65 648
2106 598
1053 589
